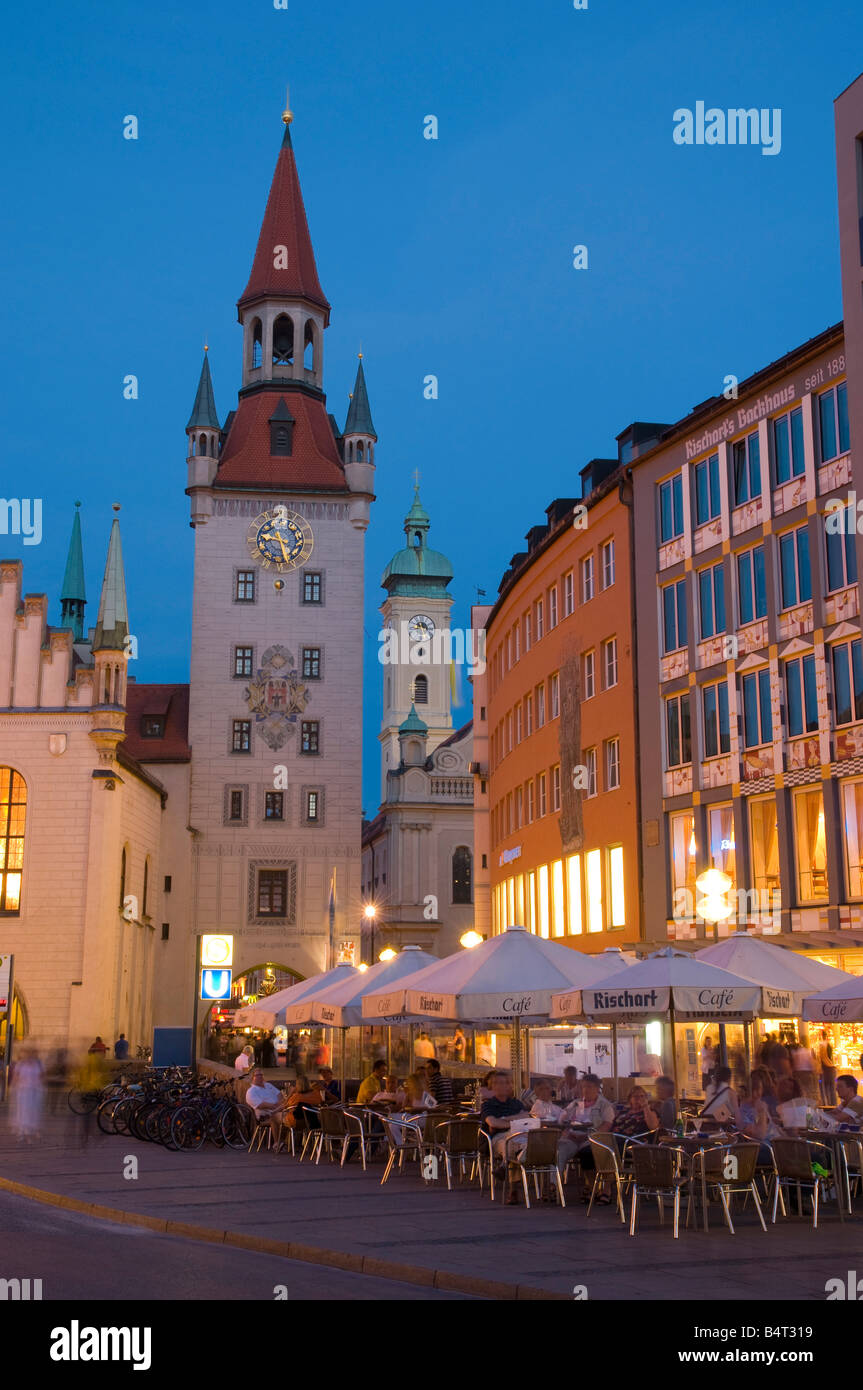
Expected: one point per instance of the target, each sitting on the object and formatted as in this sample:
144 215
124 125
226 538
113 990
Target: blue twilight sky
450 257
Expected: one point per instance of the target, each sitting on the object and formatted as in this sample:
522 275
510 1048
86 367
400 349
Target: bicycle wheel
105 1115
151 1122
188 1128
83 1102
166 1115
122 1112
237 1126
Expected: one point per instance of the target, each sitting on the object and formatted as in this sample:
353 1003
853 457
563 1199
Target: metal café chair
608 1168
712 1170
457 1141
405 1141
537 1159
792 1167
656 1173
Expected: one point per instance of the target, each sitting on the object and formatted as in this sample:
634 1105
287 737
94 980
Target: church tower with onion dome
279 502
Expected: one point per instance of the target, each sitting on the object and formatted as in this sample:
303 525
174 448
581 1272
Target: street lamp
471 938
713 904
387 953
370 912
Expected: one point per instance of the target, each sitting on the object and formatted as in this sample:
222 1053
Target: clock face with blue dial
280 539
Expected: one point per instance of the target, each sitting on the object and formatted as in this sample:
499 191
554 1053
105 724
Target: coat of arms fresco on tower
277 696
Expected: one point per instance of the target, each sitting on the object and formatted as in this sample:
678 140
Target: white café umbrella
666 982
785 978
842 1003
340 1005
270 1010
510 979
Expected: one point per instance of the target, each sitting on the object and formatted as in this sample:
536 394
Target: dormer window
281 431
153 726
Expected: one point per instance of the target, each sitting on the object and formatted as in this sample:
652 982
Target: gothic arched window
257 344
360 452
309 346
462 863
421 690
202 444
13 812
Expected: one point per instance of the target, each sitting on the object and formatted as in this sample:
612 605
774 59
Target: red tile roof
246 460
171 701
285 225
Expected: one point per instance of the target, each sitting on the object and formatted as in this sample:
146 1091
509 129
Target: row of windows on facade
530 801
799 711
570 896
530 713
532 626
792 557
311 586
788 461
758 833
310 736
274 805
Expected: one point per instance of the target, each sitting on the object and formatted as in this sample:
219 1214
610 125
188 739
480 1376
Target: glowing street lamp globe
469 939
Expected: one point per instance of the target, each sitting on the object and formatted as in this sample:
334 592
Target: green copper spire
413 724
204 415
359 419
416 569
72 595
112 624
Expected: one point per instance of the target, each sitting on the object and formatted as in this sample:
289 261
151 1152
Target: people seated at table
372 1083
595 1113
439 1085
485 1090
570 1087
665 1104
756 1121
302 1100
720 1102
391 1093
417 1096
768 1087
543 1107
497 1112
332 1088
789 1110
267 1102
636 1115
850 1103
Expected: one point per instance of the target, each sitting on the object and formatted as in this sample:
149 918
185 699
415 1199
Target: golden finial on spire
287 114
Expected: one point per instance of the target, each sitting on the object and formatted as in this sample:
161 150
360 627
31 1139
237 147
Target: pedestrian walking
827 1063
26 1095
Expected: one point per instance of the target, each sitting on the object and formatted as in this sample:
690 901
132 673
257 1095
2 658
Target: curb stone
472 1285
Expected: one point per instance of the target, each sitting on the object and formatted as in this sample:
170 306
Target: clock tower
416 651
279 507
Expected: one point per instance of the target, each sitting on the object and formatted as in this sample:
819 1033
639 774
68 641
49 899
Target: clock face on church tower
280 539
421 628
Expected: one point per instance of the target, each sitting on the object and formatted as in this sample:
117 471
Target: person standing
827 1063
708 1062
803 1068
424 1047
121 1048
97 1047
26 1096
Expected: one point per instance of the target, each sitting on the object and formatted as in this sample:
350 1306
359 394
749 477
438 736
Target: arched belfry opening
257 344
309 350
283 341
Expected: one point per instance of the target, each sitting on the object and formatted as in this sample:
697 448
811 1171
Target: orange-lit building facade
562 799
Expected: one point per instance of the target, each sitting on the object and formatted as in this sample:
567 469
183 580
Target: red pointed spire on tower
284 264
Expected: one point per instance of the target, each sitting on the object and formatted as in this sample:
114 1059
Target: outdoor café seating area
766 1142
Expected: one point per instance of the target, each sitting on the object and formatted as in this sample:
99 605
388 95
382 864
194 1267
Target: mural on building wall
277 697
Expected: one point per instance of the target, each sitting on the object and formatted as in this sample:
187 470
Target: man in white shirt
593 1109
266 1101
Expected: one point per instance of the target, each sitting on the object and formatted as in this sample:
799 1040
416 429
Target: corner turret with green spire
73 597
203 416
112 624
359 421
